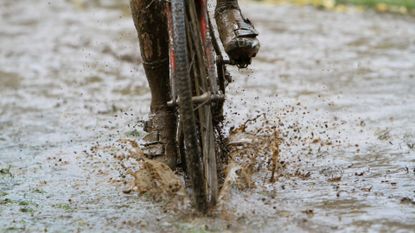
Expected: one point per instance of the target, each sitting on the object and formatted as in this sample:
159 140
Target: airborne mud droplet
69 95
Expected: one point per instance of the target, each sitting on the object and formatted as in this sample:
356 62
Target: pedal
241 63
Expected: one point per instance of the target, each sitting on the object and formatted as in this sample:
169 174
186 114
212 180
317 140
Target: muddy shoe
237 34
152 147
160 143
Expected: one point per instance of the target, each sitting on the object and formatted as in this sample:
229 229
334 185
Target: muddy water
341 88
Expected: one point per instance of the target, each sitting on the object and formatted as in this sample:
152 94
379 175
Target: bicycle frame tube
202 12
208 45
172 63
207 39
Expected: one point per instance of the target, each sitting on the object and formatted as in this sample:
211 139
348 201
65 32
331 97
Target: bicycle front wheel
190 75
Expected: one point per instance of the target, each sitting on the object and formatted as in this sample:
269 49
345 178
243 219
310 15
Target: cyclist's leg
237 33
151 23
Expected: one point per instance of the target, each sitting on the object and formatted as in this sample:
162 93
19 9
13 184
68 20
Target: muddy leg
220 4
151 24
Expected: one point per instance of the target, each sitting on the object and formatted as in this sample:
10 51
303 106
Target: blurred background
396 6
338 77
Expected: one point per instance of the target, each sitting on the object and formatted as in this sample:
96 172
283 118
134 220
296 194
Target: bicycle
198 79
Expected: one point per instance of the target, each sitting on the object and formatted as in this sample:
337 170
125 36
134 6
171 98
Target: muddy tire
194 74
194 166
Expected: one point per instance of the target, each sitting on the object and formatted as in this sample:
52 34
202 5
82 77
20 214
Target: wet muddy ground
340 88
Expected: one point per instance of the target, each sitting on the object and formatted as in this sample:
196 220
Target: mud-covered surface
338 87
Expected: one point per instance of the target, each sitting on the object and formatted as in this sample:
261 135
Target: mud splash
338 87
251 152
154 178
253 156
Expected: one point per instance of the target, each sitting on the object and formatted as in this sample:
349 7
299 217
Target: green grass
63 206
6 171
133 133
393 6
408 4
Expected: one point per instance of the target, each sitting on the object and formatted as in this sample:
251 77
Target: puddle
339 88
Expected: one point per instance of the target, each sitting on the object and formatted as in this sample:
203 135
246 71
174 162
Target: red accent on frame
202 7
169 16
